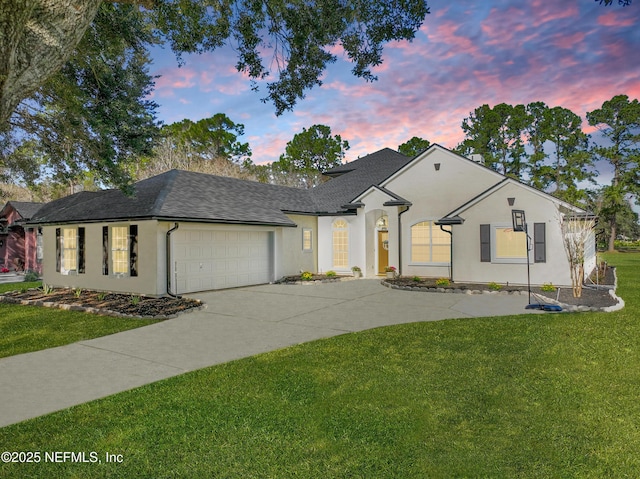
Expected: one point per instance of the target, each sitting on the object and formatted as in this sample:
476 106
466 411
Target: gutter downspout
450 251
168 258
400 239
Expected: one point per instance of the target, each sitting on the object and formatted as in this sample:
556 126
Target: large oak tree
292 39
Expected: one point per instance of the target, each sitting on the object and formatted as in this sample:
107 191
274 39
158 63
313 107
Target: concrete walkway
237 323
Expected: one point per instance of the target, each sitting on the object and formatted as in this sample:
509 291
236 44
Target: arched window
340 244
429 244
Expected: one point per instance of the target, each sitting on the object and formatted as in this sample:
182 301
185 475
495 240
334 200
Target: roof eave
452 221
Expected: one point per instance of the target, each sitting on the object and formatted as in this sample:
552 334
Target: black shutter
133 250
485 243
81 268
539 243
58 250
105 250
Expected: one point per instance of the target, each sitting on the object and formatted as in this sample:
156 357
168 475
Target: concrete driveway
236 323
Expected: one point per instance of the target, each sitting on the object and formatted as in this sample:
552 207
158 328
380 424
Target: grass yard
25 329
539 396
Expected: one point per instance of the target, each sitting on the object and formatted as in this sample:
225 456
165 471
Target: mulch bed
592 296
315 278
105 303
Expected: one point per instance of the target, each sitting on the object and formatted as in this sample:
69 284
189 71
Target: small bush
306 276
494 286
548 287
355 268
331 274
31 276
442 282
77 292
417 279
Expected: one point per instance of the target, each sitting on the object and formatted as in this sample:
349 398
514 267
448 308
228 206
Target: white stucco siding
496 212
93 278
290 256
434 193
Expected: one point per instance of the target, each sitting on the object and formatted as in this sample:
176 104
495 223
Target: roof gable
501 184
355 178
433 149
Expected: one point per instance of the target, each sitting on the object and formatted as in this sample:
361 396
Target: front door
383 251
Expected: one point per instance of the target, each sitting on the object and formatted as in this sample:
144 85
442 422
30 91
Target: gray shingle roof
186 196
356 177
26 209
189 196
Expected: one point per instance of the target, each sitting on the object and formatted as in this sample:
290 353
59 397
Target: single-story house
20 245
438 214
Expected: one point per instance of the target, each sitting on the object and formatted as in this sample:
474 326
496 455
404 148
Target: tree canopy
94 114
517 140
308 154
414 146
290 39
619 122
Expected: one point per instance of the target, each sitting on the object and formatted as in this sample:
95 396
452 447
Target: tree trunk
36 38
612 237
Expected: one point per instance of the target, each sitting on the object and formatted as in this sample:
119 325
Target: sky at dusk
571 53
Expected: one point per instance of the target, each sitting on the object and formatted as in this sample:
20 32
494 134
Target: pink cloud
615 19
570 41
545 12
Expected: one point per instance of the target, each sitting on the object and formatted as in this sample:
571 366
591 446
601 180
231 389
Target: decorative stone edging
571 308
92 310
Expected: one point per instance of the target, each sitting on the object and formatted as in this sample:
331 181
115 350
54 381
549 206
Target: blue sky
571 53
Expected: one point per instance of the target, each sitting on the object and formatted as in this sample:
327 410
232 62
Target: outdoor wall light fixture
511 201
436 166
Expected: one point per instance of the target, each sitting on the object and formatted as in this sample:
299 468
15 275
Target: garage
206 259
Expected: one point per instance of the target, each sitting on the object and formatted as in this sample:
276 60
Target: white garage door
209 259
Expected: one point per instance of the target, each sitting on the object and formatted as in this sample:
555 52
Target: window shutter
105 250
485 243
81 268
58 250
133 250
539 243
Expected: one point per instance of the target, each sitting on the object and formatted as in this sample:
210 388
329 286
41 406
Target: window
123 251
307 240
500 244
429 244
70 250
340 244
509 244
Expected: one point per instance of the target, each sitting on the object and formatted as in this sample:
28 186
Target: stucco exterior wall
290 258
146 282
434 193
495 211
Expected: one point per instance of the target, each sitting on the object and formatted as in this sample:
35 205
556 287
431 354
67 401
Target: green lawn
25 329
554 395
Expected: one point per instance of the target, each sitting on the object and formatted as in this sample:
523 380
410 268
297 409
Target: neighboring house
19 245
436 215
